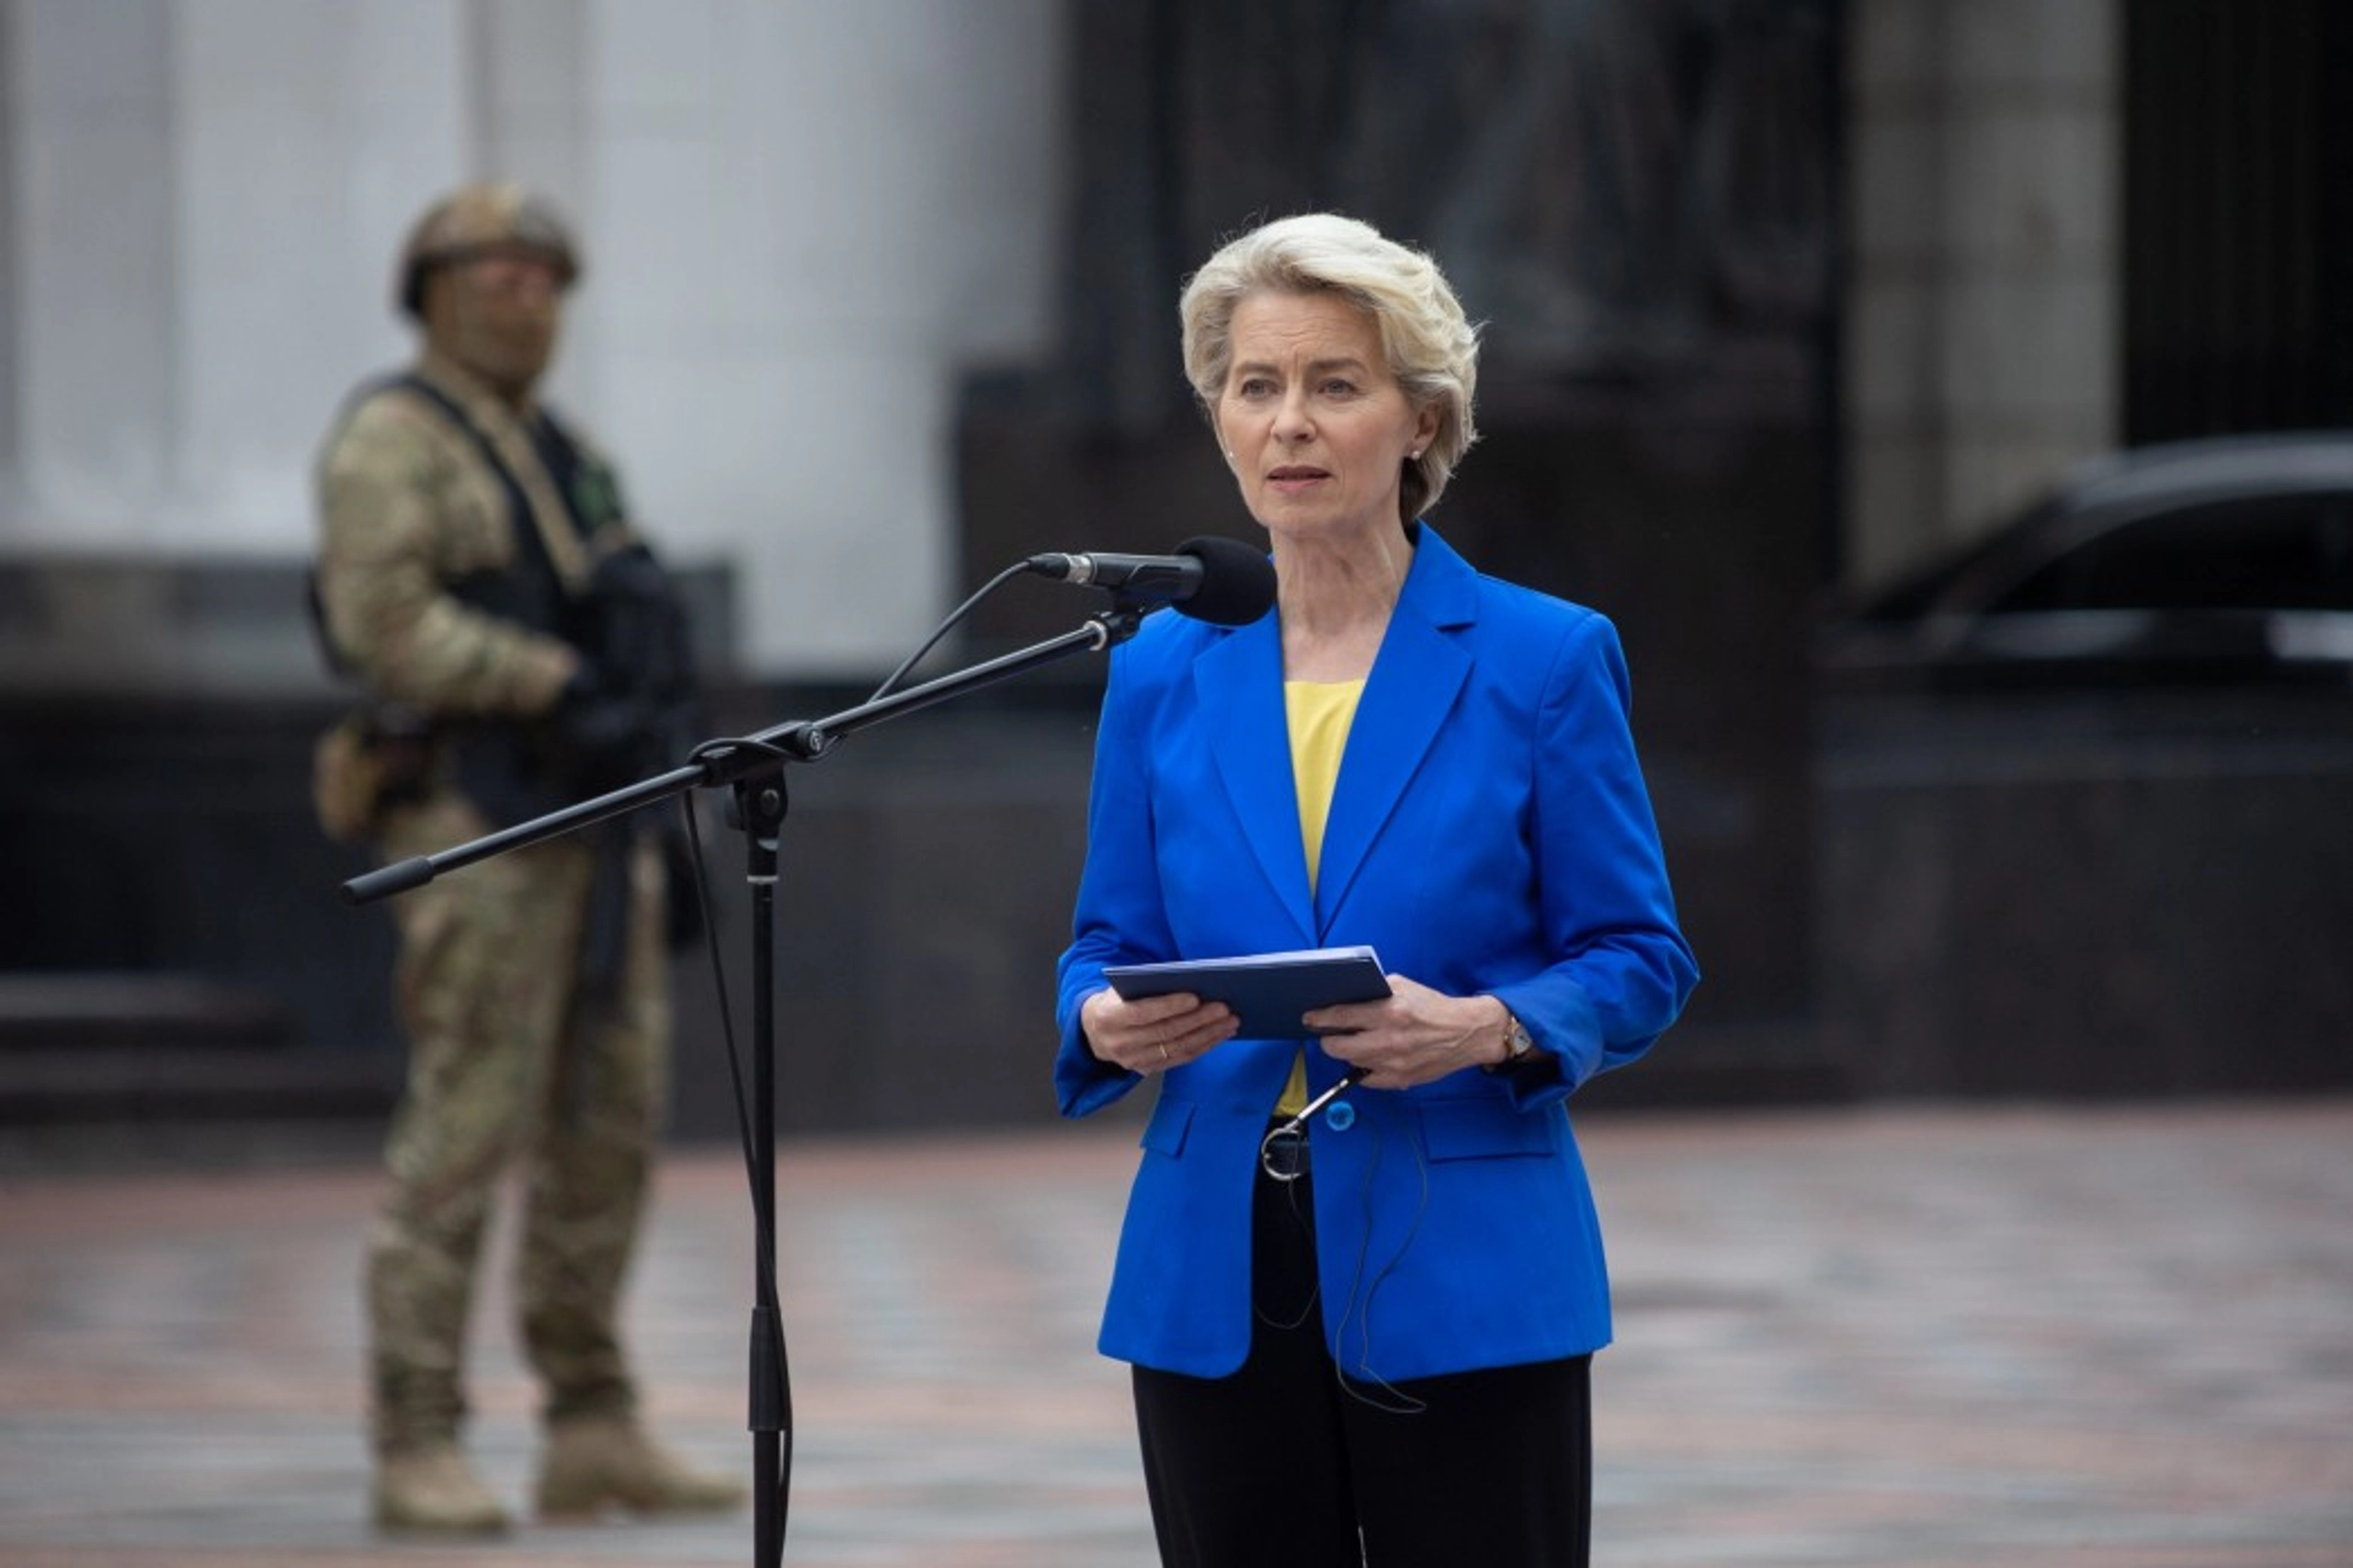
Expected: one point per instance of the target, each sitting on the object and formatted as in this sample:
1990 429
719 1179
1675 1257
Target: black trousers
1283 1465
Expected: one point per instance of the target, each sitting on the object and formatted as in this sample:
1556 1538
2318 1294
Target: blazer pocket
1171 1120
1485 1129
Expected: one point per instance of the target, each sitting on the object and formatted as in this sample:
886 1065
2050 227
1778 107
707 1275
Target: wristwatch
1518 1044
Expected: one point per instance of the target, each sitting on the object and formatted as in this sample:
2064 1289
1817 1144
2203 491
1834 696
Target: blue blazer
1489 832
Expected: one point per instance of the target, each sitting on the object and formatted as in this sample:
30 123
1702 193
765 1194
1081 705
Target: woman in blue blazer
1384 1359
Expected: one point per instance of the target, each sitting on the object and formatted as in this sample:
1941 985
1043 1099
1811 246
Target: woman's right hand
1153 1034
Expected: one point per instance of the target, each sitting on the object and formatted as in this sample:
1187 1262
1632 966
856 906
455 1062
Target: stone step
113 1008
108 1046
172 1084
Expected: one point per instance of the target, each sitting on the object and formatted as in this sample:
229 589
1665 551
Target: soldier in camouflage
521 651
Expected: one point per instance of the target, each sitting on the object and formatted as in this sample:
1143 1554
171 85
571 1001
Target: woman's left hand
1413 1036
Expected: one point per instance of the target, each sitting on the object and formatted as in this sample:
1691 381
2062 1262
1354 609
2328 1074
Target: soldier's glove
635 625
610 734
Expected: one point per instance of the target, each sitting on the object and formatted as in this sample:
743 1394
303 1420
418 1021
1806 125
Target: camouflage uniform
508 1058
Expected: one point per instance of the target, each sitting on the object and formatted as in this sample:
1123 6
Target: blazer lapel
1239 686
1413 683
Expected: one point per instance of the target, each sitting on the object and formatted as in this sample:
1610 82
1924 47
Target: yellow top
1319 713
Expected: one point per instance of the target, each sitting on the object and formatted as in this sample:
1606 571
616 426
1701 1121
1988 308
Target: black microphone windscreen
1237 581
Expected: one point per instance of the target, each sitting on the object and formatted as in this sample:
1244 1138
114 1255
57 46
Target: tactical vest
513 769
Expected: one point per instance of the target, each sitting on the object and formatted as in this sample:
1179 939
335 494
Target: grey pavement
2080 1338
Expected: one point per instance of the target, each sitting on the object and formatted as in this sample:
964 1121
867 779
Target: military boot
597 1462
432 1488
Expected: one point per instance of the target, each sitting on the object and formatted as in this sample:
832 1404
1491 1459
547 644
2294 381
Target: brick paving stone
1903 1338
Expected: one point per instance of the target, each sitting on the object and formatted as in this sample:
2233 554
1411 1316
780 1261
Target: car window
2284 552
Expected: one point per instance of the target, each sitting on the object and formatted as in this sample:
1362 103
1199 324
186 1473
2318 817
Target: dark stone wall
927 872
2089 895
2035 898
926 875
154 836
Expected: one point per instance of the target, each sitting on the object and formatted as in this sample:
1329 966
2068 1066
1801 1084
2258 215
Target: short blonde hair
1432 348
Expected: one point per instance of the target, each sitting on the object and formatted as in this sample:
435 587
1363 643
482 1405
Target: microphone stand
754 768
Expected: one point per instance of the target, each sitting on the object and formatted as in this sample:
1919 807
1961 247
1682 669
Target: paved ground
1901 1339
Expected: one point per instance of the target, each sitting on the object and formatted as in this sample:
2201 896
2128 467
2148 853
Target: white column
94 367
1983 294
309 137
810 218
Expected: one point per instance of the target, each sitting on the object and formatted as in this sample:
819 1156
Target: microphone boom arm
730 761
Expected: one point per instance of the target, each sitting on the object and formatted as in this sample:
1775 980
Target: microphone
1221 580
1306 1114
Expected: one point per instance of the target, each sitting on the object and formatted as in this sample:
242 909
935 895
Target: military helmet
476 217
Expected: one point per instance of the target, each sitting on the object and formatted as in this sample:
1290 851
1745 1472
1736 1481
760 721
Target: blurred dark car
2196 563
